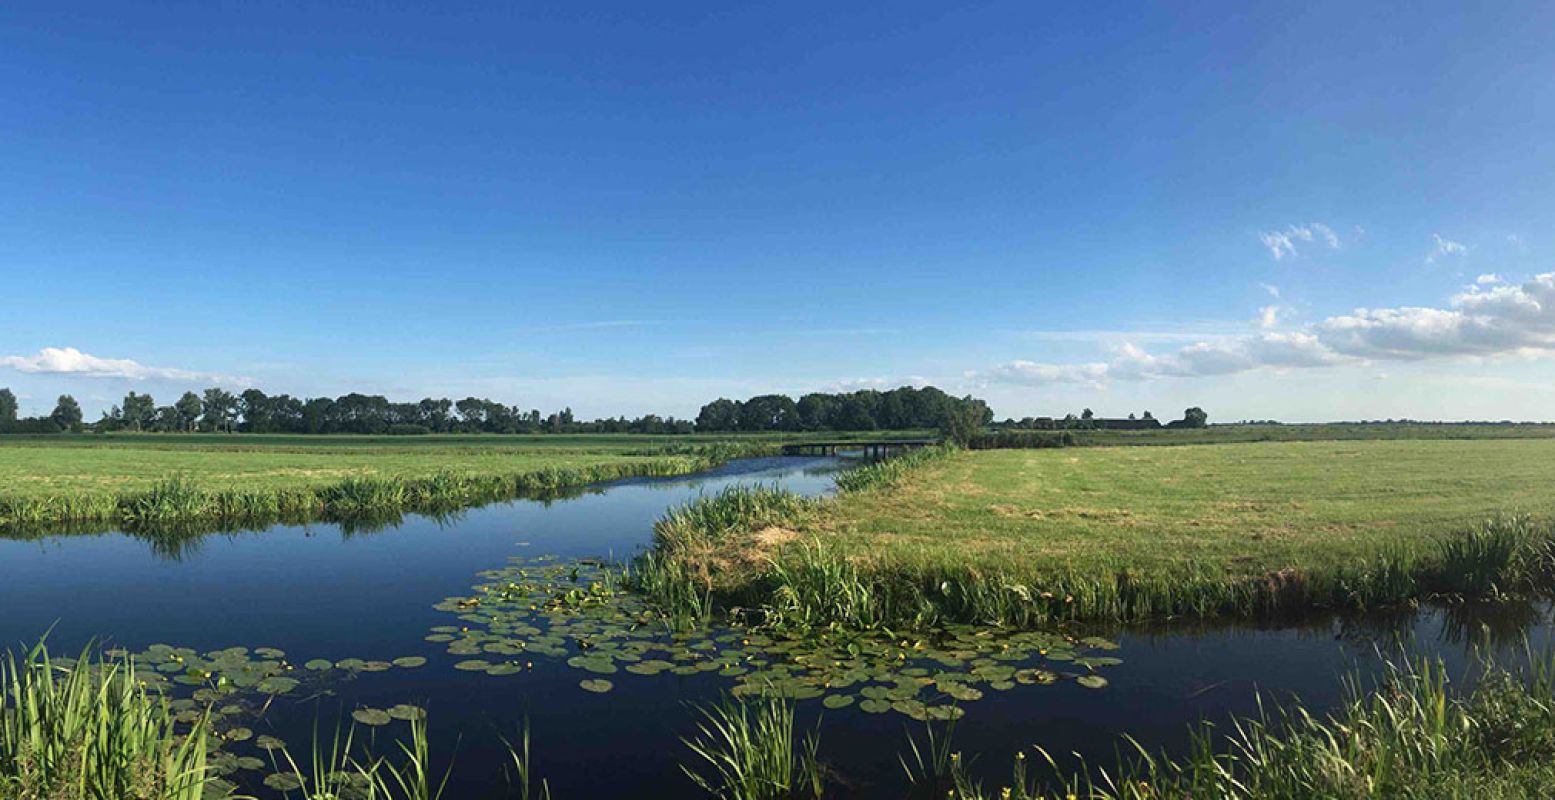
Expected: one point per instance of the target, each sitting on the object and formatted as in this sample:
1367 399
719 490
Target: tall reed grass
85 729
747 750
1413 735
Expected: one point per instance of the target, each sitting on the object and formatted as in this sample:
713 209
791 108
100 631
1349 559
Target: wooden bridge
879 448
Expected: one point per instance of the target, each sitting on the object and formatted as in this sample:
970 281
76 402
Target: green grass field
1028 537
1244 509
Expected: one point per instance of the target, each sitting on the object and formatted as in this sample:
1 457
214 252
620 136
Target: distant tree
1148 415
139 411
168 419
67 413
769 412
964 421
720 415
219 410
1195 418
188 410
7 409
1131 415
816 411
1087 414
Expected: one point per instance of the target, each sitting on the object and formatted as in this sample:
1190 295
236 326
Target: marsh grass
748 750
85 729
1412 735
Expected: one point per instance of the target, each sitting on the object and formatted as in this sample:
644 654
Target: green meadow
1028 537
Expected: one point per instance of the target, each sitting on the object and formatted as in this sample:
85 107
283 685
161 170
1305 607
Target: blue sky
637 207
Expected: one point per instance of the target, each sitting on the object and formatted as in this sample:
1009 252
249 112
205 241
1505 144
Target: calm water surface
318 591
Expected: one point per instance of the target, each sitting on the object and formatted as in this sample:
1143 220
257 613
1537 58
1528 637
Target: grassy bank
141 482
1029 537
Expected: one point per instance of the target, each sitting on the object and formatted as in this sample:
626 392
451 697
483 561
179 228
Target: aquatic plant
1410 735
87 729
746 750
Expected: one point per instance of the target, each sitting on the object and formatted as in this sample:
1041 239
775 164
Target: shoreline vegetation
189 502
88 727
889 552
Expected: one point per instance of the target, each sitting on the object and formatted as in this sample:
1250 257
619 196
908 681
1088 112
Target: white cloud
70 361
1445 247
881 384
1269 316
1274 291
1282 244
1488 279
1495 321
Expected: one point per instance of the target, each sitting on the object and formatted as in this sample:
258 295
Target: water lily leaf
284 781
835 701
269 743
319 664
1091 681
238 735
596 685
407 712
473 665
371 716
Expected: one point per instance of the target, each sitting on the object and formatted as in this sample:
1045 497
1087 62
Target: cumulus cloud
1488 278
1490 320
70 361
1445 247
1283 244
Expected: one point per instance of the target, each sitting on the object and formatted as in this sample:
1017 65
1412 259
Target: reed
1411 735
85 729
748 751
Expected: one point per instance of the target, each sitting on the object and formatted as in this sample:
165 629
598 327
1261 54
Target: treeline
905 408
253 411
1087 420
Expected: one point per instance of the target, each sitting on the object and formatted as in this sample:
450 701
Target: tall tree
188 409
138 412
7 408
219 409
67 413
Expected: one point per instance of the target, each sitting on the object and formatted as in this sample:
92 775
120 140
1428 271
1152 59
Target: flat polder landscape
685 602
777 401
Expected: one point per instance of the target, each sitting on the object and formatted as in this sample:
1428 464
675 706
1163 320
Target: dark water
320 592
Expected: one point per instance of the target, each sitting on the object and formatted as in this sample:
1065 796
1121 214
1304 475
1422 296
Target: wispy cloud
1444 248
1274 291
70 361
1488 279
1493 320
1283 244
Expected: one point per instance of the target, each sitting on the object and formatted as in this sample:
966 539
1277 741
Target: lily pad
835 701
371 716
596 685
407 712
409 662
1091 681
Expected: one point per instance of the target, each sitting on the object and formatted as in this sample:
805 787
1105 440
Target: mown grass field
116 464
1241 509
1028 537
